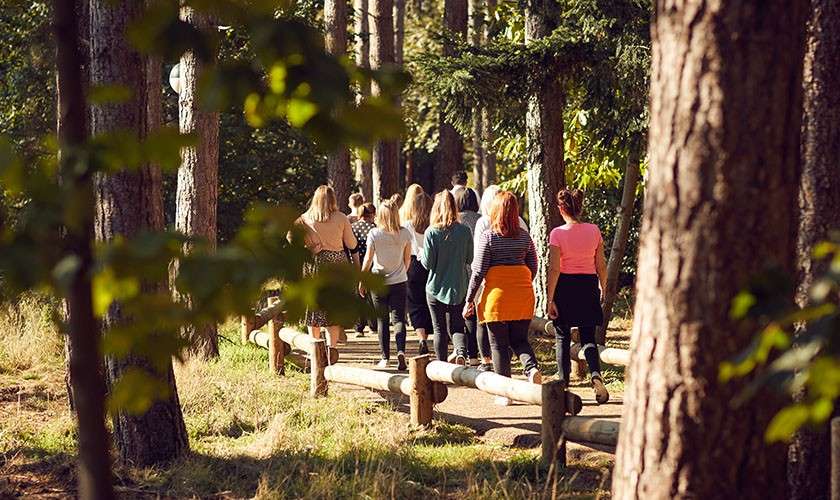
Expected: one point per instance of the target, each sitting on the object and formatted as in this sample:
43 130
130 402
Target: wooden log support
247 326
276 348
574 404
439 392
318 356
591 430
543 326
609 355
491 383
274 309
553 414
372 379
296 339
422 392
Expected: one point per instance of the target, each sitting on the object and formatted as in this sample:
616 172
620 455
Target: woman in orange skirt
506 261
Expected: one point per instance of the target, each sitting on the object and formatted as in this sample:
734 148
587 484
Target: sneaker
501 401
424 348
460 360
451 357
474 362
534 376
383 363
360 334
601 394
401 366
485 367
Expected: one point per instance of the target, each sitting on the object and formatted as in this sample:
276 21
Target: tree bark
622 232
198 178
399 60
339 175
488 166
726 97
544 140
819 213
476 34
450 144
385 153
129 202
364 168
85 361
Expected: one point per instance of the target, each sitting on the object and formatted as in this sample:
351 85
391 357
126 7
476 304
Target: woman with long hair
333 233
361 229
447 251
577 278
355 202
414 215
506 261
466 201
388 255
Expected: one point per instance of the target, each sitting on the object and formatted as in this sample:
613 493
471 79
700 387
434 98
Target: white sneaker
383 363
501 401
534 376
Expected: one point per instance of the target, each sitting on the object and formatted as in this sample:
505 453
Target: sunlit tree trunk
488 166
385 153
339 173
819 204
476 33
129 202
450 145
85 360
364 172
198 176
726 101
399 59
544 136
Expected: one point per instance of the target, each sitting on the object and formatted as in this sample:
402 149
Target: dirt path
517 425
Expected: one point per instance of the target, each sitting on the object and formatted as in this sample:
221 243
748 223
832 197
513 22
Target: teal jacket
447 254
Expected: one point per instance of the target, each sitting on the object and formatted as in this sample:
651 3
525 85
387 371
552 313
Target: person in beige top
332 234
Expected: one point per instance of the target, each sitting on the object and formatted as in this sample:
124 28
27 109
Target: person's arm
470 249
480 265
601 267
428 256
555 257
368 263
350 241
407 255
531 257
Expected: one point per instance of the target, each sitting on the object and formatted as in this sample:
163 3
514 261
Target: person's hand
552 310
361 290
603 295
469 310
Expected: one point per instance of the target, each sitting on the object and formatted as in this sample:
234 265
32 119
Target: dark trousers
507 335
391 305
478 342
447 322
589 346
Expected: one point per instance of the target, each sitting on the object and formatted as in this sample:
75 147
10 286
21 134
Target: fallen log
491 383
376 380
591 430
609 355
274 309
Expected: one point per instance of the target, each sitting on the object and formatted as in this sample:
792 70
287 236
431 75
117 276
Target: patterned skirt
317 317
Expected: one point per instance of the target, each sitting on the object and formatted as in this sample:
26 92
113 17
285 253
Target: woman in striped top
506 261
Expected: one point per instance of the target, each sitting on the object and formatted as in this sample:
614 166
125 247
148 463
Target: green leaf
135 392
741 304
107 288
785 424
300 111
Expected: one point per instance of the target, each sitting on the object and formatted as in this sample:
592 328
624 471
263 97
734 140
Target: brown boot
601 393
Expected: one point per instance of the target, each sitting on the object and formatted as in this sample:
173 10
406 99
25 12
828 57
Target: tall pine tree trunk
488 166
622 233
726 97
450 145
544 139
339 174
129 202
84 356
364 168
399 60
385 153
476 32
819 203
198 176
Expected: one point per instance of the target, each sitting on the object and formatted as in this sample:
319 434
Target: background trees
338 162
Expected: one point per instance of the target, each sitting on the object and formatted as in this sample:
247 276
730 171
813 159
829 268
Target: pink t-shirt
578 244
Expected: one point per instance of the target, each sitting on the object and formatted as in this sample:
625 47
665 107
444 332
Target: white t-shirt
388 252
417 240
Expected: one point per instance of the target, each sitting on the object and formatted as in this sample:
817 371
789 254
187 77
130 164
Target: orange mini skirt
508 295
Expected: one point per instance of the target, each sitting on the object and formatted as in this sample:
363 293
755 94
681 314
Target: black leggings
588 344
478 342
391 305
507 335
447 321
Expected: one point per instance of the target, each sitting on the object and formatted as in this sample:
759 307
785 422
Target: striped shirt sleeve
480 265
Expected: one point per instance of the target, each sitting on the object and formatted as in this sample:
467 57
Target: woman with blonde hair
388 255
506 261
414 215
447 251
333 233
355 202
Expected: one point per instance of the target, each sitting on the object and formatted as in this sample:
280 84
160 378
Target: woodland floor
256 435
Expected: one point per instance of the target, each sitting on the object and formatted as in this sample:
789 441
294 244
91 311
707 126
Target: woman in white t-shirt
414 216
388 255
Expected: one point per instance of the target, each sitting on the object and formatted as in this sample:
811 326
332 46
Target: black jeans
478 342
588 344
507 335
391 305
447 321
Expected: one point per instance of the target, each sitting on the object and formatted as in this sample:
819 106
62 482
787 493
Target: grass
256 435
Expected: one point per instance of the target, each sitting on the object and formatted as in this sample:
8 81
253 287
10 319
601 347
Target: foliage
797 348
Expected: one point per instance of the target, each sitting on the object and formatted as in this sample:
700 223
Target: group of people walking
464 271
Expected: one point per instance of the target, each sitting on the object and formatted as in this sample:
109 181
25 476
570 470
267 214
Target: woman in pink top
576 280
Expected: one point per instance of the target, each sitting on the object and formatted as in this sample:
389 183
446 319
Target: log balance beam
609 355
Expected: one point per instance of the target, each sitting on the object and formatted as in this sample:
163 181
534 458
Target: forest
176 320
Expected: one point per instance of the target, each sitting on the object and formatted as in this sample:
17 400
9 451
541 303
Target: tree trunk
450 144
198 177
544 139
85 361
488 166
399 59
476 32
364 168
726 97
622 232
129 202
385 153
339 174
819 204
